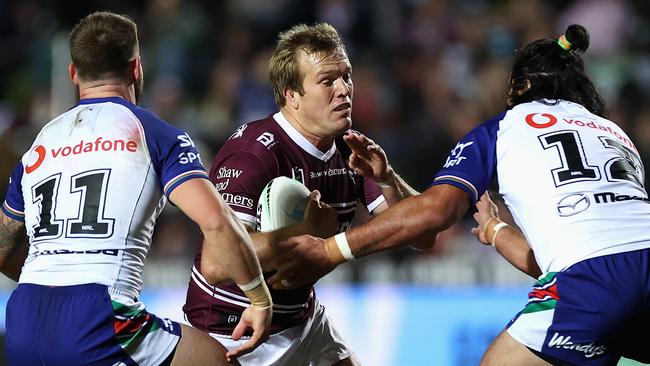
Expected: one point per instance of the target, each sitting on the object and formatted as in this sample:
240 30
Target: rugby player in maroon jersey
308 139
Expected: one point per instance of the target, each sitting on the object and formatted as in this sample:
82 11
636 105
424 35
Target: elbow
437 219
212 222
212 266
213 274
440 207
425 242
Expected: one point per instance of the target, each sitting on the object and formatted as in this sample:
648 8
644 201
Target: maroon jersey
256 153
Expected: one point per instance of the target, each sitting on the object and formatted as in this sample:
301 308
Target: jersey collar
118 100
301 140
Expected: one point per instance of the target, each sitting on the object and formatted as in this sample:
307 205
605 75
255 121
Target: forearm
414 219
228 252
396 189
13 247
512 245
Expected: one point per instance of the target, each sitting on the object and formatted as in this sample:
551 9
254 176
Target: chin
343 126
340 125
345 122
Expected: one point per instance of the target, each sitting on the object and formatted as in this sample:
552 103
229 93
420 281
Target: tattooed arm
13 246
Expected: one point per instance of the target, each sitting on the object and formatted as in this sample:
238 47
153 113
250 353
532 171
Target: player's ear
135 69
525 86
291 97
72 72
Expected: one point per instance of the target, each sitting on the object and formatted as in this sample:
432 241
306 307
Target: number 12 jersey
572 180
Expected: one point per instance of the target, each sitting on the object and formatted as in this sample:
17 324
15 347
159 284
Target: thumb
312 203
352 160
315 195
314 198
239 330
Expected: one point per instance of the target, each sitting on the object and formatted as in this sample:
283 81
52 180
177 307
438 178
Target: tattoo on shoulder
10 234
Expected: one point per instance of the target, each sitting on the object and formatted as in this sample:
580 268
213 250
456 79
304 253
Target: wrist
389 180
338 250
257 292
492 228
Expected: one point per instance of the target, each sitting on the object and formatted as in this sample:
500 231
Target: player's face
325 108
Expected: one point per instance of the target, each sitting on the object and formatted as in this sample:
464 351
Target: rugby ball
282 202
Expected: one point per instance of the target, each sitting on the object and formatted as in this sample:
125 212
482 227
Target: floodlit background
425 73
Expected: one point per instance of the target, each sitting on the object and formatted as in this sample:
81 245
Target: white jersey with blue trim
572 180
90 189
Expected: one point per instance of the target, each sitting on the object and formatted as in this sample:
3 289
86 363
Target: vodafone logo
544 121
36 158
100 144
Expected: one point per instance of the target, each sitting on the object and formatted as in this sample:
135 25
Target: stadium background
425 72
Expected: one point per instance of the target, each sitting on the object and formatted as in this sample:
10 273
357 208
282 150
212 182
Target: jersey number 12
575 168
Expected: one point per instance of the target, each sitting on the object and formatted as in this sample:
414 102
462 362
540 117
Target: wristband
251 285
492 229
259 296
496 229
344 247
388 182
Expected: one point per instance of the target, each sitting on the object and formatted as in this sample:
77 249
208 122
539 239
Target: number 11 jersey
90 189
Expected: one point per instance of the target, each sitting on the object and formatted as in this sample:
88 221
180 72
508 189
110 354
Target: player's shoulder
151 122
119 110
157 131
260 137
488 128
52 129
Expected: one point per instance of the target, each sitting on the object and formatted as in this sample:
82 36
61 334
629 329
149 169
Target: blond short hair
284 68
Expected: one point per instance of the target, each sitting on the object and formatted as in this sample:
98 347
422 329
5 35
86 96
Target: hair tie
564 43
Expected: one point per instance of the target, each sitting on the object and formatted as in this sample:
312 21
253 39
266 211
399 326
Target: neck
321 143
105 89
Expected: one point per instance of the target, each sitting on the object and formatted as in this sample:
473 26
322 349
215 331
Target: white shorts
314 343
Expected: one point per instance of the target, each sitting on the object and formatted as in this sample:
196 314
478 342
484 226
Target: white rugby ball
282 203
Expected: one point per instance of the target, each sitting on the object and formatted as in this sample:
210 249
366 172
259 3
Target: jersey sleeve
173 153
372 196
240 178
14 204
471 165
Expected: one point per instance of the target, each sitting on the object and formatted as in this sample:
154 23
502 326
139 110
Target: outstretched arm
13 246
228 254
307 258
508 240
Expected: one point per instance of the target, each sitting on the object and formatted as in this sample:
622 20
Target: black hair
555 72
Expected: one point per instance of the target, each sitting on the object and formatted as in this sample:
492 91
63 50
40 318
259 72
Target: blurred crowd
425 72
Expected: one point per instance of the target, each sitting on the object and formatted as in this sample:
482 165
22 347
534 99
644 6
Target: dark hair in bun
554 70
578 36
